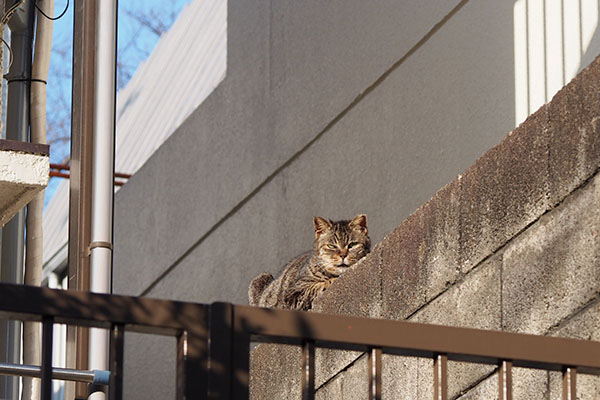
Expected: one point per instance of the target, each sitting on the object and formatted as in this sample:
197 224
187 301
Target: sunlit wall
551 39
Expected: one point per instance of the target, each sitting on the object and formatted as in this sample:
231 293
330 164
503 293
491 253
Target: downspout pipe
34 249
17 128
101 254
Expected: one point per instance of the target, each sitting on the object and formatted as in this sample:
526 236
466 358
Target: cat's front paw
328 283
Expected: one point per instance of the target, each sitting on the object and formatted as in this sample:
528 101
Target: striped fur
337 246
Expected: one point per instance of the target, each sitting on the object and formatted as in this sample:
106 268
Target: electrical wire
10 12
53 18
3 22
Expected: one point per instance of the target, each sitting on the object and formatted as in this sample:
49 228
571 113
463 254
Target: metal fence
213 341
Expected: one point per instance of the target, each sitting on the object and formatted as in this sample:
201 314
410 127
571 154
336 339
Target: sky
139 25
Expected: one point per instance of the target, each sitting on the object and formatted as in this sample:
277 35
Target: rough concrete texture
475 303
358 294
400 377
503 191
527 384
275 372
419 258
553 152
585 326
358 290
484 390
551 270
573 130
352 384
530 384
22 177
588 386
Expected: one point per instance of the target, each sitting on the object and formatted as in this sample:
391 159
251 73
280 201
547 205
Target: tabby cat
337 246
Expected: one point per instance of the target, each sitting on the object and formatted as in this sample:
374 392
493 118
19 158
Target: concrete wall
328 108
512 244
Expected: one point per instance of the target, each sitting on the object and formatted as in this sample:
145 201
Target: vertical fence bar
440 377
308 370
117 338
180 373
196 379
240 358
375 374
241 366
220 369
46 370
505 381
192 374
569 384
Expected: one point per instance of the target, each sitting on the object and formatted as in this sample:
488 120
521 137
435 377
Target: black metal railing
213 341
185 321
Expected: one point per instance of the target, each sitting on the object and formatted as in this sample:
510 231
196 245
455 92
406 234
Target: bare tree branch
141 22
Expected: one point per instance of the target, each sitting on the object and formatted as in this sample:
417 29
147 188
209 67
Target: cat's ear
321 225
359 222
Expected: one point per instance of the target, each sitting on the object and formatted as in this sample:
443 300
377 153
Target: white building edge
187 64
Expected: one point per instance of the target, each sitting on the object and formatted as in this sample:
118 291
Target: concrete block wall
511 244
328 108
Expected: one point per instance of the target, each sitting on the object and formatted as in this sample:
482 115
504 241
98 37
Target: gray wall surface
327 109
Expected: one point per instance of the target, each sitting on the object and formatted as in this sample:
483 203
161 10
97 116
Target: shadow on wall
593 50
553 41
549 270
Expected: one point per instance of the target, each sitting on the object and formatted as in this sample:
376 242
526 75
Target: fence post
117 338
505 380
308 370
46 369
569 384
375 355
240 358
192 358
440 377
219 353
181 368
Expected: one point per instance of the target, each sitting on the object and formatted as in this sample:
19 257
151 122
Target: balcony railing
213 341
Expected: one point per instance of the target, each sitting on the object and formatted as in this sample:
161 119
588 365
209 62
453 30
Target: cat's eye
351 245
331 246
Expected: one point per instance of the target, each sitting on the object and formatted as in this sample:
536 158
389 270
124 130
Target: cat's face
341 244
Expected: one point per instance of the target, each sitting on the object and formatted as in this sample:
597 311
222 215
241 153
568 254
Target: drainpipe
80 183
103 173
17 128
32 336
